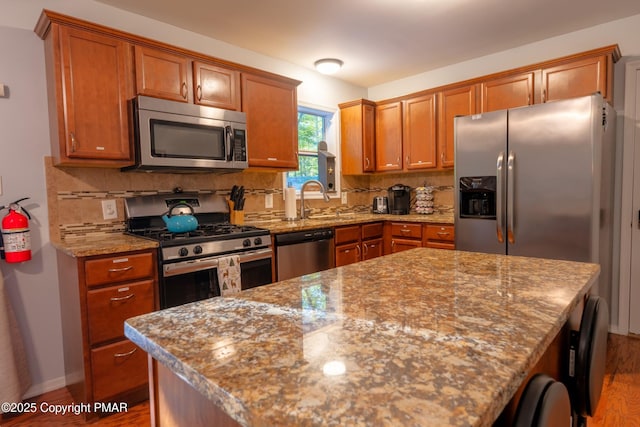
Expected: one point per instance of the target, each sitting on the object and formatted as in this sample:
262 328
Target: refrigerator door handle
500 197
510 196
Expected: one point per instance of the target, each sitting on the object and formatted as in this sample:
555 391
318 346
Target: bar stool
544 403
587 359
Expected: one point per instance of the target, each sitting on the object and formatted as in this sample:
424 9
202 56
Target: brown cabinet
98 294
578 78
162 74
508 92
454 102
389 136
357 132
354 243
440 236
403 236
419 132
89 83
216 86
272 131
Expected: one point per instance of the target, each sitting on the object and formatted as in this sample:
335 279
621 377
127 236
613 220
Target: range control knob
197 250
246 243
257 241
183 252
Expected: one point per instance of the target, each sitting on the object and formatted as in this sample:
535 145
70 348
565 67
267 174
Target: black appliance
188 261
478 197
399 199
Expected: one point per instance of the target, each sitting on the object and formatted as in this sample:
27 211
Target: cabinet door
347 254
453 102
116 368
398 244
389 137
577 78
419 132
162 74
92 110
372 248
272 126
507 92
216 86
357 137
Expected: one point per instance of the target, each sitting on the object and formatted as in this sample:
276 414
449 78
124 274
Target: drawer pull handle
442 233
122 298
405 230
128 353
117 270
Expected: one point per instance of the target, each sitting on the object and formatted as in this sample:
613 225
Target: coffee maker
399 198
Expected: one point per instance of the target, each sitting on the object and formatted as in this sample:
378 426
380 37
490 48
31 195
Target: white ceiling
380 40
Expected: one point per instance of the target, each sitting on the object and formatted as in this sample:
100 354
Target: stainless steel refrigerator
538 181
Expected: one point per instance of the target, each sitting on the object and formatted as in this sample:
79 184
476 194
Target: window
314 125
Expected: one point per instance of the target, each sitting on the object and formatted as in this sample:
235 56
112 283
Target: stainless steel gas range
188 261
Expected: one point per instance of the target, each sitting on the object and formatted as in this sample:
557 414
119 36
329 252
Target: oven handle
211 262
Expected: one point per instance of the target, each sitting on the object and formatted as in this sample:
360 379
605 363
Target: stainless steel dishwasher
303 252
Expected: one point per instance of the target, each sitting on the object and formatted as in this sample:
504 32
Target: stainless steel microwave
172 136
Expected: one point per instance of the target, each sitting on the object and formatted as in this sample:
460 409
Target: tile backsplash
75 195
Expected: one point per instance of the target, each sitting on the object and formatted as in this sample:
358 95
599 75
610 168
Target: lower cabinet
440 236
355 243
97 295
403 236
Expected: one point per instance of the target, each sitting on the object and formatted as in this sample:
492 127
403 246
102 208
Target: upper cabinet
93 71
578 78
454 102
419 132
357 137
89 83
162 74
272 131
389 136
507 92
216 86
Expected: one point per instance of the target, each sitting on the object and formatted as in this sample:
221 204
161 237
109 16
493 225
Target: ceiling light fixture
328 65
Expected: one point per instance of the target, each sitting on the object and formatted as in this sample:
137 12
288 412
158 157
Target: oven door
194 280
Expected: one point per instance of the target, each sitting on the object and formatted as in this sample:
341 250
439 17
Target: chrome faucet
322 190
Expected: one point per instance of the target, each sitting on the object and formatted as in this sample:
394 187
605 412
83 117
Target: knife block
237 217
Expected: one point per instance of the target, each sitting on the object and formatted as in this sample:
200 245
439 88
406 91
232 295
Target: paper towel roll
290 203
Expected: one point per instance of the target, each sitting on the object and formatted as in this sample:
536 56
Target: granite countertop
282 226
421 337
103 244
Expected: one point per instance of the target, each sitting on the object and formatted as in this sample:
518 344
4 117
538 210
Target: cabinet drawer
406 230
440 245
370 231
117 368
108 308
441 232
119 268
346 234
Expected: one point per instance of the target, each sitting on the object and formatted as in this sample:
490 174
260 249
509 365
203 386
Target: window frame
332 128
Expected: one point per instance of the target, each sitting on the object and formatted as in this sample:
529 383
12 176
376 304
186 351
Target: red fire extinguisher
16 237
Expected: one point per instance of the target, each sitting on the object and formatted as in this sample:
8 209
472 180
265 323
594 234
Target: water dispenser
478 197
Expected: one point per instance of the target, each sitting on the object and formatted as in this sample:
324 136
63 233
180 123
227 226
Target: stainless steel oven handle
194 265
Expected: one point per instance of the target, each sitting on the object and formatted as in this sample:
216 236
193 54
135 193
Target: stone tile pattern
74 195
428 338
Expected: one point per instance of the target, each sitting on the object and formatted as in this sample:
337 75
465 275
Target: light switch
109 210
2 95
344 197
268 201
0 186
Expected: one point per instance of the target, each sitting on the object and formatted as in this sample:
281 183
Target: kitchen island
421 337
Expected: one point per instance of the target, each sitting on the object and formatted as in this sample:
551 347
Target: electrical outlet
268 201
109 210
344 197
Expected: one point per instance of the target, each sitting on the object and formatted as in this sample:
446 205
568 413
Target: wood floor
619 405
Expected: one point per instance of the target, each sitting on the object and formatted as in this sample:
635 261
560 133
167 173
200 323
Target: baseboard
44 387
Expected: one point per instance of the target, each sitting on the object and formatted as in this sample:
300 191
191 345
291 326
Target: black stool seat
544 403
